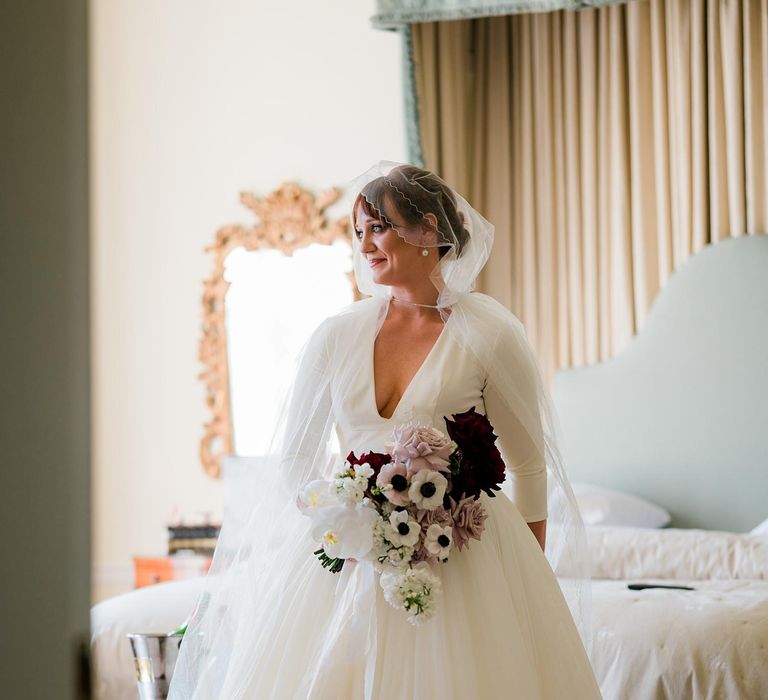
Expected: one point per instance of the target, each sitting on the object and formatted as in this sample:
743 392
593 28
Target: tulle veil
248 591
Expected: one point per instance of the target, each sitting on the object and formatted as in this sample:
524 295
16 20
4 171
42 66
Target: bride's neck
406 309
424 298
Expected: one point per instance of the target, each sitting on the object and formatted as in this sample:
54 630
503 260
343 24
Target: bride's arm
525 465
539 530
512 395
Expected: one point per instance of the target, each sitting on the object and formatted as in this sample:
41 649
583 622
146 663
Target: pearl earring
425 252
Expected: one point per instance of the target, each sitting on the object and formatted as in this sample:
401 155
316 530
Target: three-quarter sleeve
521 447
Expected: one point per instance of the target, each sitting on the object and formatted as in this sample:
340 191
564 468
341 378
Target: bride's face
392 260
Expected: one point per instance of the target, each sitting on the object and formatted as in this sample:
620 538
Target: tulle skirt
502 630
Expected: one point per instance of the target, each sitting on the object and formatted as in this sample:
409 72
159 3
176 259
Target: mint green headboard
681 416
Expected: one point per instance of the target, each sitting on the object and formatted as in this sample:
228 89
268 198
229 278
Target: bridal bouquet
407 509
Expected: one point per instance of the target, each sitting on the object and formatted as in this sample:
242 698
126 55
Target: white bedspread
654 644
709 644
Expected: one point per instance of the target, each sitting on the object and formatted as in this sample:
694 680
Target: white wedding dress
502 628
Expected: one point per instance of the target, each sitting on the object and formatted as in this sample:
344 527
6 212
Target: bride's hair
414 192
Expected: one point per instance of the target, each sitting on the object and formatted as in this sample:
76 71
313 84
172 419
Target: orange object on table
151 570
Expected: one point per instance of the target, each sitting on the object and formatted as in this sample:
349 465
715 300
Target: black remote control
643 586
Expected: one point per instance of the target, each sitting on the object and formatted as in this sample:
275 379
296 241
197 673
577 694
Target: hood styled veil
427 213
253 568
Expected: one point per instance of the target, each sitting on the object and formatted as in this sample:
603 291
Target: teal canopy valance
395 14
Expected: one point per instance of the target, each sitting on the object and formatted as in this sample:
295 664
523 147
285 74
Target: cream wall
192 102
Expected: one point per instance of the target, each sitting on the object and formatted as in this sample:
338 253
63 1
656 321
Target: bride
508 610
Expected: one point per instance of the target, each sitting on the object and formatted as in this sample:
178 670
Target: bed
679 421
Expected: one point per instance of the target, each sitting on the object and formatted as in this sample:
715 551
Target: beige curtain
607 145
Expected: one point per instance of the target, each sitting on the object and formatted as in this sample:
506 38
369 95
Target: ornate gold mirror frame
289 218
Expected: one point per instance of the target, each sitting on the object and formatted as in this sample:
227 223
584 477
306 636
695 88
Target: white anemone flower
403 529
427 489
438 540
346 532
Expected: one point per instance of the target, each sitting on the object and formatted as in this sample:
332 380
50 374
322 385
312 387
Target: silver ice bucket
154 656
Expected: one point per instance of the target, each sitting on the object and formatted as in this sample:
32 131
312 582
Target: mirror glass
273 303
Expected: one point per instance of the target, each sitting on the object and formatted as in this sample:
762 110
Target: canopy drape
394 14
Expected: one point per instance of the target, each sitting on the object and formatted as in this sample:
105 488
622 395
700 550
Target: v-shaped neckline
415 376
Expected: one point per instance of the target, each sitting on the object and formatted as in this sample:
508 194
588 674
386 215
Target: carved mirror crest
272 284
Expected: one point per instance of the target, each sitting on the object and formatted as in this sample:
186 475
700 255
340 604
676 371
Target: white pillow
761 529
603 506
674 553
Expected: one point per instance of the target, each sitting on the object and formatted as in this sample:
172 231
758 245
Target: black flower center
428 489
399 482
443 540
403 528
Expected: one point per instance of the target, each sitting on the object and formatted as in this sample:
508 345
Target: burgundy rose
376 459
463 484
482 468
